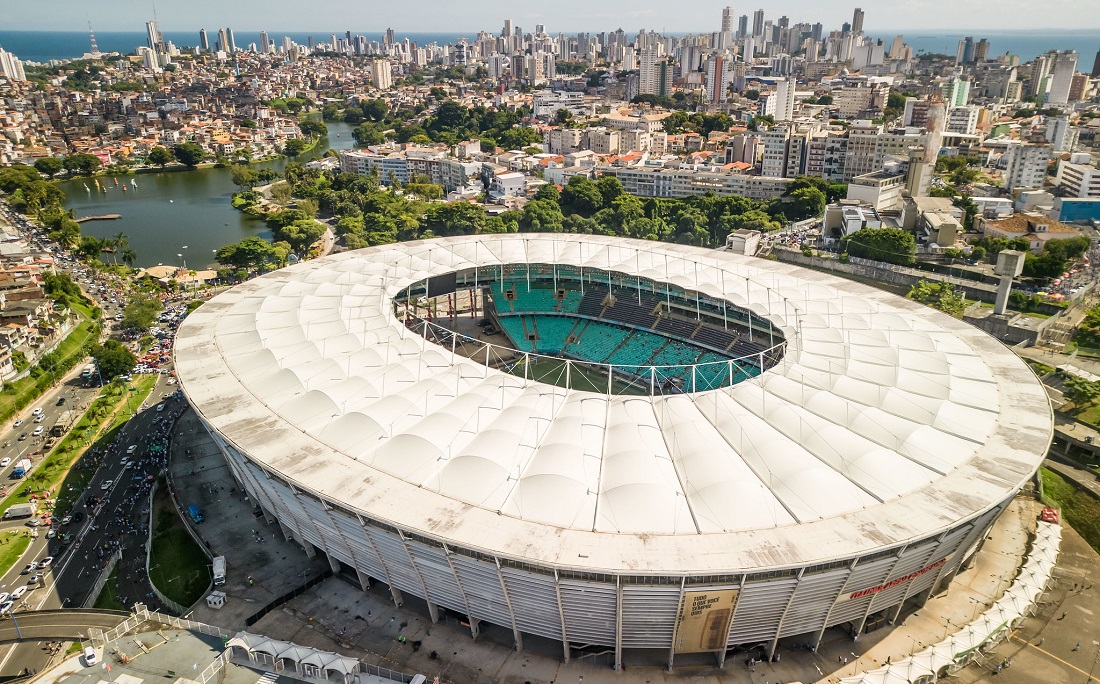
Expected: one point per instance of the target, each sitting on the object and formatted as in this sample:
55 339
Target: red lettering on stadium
896 582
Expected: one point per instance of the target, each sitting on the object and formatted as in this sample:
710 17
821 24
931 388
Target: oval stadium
619 446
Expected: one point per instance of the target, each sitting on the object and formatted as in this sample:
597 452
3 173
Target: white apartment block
1026 164
686 183
545 104
1079 180
366 163
563 140
880 189
784 100
603 140
774 162
1064 67
381 74
963 120
1060 134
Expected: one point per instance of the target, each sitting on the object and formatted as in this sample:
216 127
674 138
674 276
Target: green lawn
1079 508
177 565
58 469
13 546
19 394
108 598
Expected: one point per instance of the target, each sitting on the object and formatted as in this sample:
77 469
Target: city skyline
567 16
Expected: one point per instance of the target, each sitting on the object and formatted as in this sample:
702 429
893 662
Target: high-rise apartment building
204 42
956 92
758 23
381 76
1062 71
265 42
11 67
232 46
857 22
784 99
152 37
223 41
718 75
1026 164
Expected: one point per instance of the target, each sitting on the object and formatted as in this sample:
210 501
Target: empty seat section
596 341
592 302
676 327
552 331
715 337
676 354
513 328
638 349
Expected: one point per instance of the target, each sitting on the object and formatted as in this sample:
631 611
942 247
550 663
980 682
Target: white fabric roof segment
878 408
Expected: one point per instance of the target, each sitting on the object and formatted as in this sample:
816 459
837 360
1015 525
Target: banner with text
704 620
892 583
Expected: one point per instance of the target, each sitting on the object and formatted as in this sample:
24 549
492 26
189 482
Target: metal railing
606 378
101 581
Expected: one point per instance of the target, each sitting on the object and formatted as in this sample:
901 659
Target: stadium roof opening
592 329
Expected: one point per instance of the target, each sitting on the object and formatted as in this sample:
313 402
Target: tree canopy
113 359
141 313
189 153
892 245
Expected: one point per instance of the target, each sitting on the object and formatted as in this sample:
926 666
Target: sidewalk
201 477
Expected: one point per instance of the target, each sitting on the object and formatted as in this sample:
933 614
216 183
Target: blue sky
560 15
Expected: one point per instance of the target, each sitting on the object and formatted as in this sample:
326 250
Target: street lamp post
11 612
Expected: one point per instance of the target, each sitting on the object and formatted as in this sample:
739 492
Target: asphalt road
70 580
61 626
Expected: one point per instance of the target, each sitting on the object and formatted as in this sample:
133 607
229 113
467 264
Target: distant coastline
42 46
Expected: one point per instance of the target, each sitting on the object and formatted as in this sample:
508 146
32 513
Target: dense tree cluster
1051 262
189 153
253 254
942 295
452 123
892 245
113 359
367 215
141 313
27 192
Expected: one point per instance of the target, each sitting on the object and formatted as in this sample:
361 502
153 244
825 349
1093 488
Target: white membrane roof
885 421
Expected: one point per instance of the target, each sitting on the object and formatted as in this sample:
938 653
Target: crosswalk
267 678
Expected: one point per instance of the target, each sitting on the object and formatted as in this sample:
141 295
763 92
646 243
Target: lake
182 212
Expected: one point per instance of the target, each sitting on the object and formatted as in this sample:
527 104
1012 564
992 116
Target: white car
4 463
89 656
18 593
106 485
4 596
45 562
17 423
39 419
131 449
38 431
37 411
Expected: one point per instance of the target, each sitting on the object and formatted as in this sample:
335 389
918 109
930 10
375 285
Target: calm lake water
185 212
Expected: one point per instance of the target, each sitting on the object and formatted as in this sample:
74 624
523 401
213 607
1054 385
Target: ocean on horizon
43 46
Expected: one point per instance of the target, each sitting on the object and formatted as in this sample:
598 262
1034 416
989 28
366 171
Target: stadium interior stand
631 328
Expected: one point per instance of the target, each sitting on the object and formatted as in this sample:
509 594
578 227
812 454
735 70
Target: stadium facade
714 452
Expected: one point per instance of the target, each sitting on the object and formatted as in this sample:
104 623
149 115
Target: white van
89 656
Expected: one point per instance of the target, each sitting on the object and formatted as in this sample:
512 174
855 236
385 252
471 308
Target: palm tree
129 256
118 243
